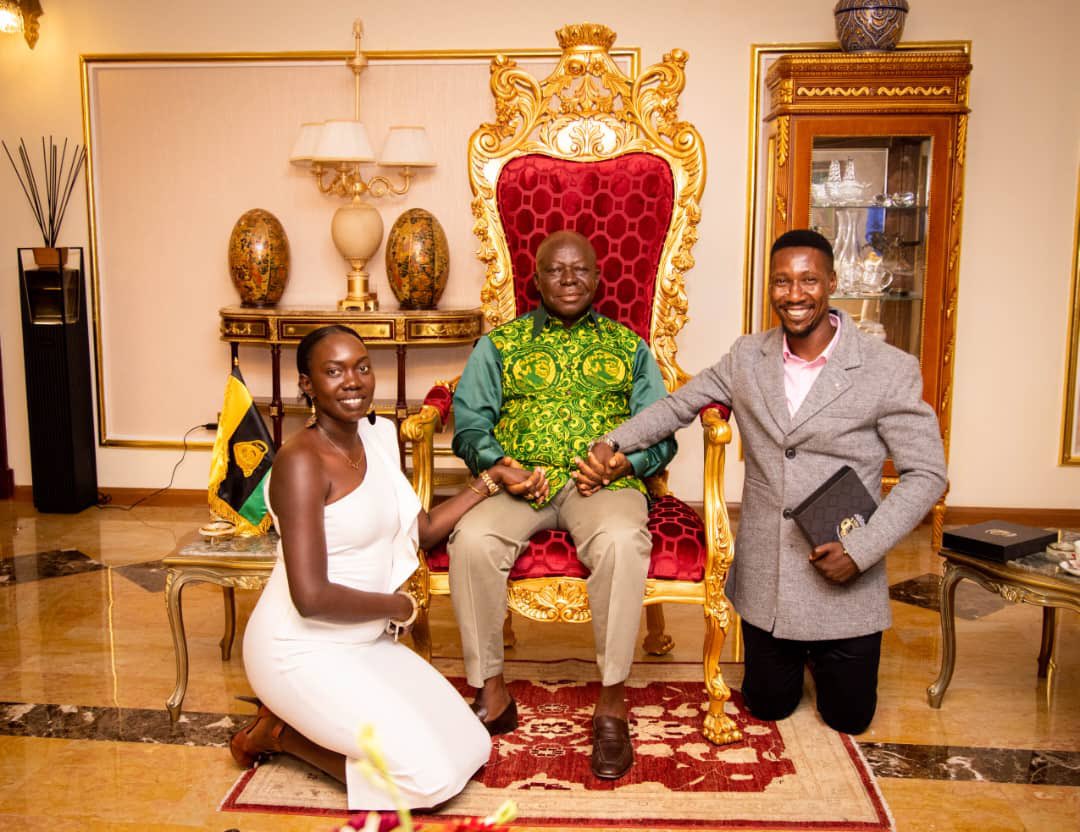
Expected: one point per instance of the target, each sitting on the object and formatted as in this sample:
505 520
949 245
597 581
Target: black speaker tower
56 354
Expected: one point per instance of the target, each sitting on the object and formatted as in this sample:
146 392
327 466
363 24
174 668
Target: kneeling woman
317 650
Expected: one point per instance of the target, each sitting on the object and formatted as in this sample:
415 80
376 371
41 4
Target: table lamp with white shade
342 146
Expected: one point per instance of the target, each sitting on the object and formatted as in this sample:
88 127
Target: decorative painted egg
417 259
259 258
869 25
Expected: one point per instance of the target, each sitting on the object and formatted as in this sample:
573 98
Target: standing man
535 391
810 396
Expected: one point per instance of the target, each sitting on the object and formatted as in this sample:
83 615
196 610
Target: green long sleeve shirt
538 392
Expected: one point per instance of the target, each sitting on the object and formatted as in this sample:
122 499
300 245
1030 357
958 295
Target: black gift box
998 540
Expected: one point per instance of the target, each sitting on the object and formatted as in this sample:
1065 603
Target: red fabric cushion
678 548
441 399
719 407
622 205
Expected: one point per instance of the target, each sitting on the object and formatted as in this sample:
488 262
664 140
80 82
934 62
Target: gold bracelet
492 487
476 490
395 627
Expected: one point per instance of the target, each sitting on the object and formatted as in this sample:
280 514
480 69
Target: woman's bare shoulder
297 457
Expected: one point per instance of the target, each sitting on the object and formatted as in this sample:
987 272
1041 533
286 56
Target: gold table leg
936 692
1046 650
174 585
228 594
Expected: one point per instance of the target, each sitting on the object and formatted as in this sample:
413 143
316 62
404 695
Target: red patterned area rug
793 774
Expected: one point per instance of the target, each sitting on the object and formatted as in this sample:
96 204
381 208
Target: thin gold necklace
354 465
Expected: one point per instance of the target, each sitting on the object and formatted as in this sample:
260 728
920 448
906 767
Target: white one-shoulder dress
328 680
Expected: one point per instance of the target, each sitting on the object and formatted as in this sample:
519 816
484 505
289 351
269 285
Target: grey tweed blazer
865 405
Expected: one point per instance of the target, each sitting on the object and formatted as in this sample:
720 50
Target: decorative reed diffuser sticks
48 197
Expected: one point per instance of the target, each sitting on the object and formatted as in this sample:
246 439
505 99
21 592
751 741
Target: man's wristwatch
607 440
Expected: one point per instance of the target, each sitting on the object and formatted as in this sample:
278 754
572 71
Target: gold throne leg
657 642
509 639
719 727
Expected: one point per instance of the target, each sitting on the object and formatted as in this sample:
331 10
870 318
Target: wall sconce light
339 148
21 16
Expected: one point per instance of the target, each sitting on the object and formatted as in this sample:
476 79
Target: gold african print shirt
538 391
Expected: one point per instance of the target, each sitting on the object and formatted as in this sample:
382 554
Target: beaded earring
313 417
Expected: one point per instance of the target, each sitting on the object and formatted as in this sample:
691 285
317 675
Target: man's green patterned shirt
539 392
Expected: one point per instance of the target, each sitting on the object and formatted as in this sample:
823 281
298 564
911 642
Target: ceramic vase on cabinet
417 259
869 25
259 258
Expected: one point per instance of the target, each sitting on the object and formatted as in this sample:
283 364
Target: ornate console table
238 562
1035 579
399 328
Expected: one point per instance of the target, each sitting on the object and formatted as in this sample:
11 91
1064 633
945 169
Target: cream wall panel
1022 161
180 150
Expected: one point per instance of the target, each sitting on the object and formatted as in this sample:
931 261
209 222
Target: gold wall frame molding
91 67
1070 421
759 183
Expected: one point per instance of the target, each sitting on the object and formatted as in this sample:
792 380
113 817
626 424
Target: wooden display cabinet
868 149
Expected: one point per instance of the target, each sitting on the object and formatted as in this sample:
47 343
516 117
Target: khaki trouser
609 530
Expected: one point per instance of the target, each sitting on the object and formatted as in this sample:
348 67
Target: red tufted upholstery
622 205
678 548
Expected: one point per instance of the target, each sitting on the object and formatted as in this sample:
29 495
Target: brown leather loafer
504 723
259 738
612 753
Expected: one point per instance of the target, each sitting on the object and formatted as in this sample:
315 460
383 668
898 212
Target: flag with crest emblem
243 453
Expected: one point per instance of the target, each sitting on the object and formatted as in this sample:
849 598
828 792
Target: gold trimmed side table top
281 325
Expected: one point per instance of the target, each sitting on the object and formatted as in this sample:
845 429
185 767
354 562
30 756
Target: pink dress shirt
800 375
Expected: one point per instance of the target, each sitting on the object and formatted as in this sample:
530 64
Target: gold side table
398 328
238 562
1035 579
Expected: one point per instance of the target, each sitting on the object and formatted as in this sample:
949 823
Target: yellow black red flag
243 453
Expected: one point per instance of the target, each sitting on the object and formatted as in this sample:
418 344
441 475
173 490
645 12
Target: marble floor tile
150 575
41 565
972 601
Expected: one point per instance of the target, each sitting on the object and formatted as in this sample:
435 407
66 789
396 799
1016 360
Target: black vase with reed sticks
53 287
56 346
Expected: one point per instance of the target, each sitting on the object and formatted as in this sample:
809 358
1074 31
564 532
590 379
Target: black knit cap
802 238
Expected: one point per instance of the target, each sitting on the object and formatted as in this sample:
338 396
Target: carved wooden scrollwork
546 599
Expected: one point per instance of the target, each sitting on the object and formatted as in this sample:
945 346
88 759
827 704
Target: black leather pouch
835 507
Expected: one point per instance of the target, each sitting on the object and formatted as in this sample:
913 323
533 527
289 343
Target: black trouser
844 670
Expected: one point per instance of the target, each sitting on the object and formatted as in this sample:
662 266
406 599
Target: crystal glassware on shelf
846 251
873 278
833 185
851 190
869 317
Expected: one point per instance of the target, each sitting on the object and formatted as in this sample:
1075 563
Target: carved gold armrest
717 436
419 429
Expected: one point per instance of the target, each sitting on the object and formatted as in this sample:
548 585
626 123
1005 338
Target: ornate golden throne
592 149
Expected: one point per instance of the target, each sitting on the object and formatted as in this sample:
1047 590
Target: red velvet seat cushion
678 548
623 205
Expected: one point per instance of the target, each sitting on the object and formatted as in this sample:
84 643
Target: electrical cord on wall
105 500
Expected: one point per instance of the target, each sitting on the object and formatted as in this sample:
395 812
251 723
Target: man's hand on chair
602 467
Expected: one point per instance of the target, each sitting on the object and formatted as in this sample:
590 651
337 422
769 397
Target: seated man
535 391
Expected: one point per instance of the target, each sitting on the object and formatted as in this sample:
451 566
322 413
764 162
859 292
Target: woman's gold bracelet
396 628
475 490
492 487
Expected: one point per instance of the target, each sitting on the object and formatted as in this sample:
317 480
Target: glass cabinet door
870 196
